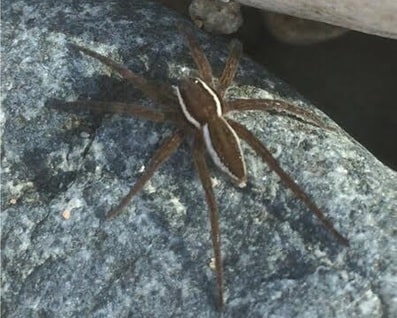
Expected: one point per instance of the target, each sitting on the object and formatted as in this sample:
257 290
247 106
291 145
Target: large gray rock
153 261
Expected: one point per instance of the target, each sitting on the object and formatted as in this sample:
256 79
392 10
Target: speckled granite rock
62 171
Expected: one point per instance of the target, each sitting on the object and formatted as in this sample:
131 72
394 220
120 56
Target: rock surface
62 171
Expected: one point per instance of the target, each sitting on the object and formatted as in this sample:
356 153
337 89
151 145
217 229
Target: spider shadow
282 209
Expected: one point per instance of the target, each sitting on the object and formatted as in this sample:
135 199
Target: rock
297 31
378 18
216 16
62 170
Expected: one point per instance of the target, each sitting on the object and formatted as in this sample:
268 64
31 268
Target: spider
197 106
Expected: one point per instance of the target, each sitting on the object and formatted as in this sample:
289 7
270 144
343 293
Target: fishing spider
198 108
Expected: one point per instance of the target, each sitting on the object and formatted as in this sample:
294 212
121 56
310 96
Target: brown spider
197 107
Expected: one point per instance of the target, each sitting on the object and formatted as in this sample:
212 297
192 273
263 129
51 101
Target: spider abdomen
223 145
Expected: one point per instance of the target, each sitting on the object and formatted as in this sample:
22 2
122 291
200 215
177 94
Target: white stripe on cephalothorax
214 155
214 96
189 117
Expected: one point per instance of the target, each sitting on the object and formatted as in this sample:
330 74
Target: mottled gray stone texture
61 171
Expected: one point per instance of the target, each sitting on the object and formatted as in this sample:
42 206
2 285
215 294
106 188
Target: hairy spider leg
163 153
161 94
200 59
278 106
119 108
204 66
204 175
267 157
231 66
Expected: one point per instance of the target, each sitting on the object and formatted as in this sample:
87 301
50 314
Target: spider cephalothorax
197 107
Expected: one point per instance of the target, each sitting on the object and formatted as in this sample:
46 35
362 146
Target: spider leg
204 174
198 55
162 95
278 106
229 72
163 153
120 108
266 156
